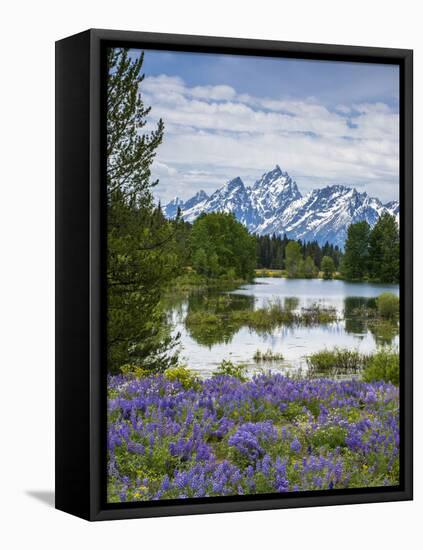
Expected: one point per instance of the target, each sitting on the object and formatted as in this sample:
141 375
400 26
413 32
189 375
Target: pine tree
355 262
384 257
140 258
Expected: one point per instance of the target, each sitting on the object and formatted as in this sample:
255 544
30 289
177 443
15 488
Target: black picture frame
80 287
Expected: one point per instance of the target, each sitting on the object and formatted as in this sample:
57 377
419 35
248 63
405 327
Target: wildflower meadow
270 434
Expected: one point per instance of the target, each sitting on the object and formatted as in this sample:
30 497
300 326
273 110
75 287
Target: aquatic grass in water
267 356
265 318
388 305
336 361
232 437
382 365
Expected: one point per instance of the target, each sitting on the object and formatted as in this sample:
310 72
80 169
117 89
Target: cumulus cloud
213 133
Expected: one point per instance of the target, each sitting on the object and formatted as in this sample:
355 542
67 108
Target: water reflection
211 305
204 345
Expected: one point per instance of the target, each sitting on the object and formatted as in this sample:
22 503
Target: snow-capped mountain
393 208
232 197
274 204
273 193
198 198
325 214
171 209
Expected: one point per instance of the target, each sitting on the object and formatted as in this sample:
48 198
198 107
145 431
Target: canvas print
253 264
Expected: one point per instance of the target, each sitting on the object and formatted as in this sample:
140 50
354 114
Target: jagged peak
274 204
391 204
201 195
332 189
275 176
176 201
234 183
272 174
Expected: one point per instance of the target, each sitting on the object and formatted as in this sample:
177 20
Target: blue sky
225 116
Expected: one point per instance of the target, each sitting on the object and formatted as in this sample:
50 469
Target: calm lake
203 350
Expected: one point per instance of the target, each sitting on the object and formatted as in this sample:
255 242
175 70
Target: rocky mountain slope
274 204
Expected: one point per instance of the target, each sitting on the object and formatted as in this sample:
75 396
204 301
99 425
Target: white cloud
212 132
162 169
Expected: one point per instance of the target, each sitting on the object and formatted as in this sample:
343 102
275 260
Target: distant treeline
217 245
271 252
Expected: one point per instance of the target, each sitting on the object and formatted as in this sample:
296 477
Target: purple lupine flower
295 446
190 426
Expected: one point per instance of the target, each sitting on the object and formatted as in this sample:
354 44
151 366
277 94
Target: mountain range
274 204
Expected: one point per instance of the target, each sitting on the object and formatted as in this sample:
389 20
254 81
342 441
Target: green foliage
384 330
294 260
219 324
388 305
330 437
140 264
336 361
199 261
383 365
227 368
220 245
310 269
328 267
141 244
187 378
372 254
134 370
130 152
384 257
271 251
355 261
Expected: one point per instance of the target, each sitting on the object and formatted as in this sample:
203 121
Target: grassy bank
267 272
283 273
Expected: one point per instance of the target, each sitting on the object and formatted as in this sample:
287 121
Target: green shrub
227 368
388 305
336 361
383 365
328 267
329 436
134 370
293 410
182 375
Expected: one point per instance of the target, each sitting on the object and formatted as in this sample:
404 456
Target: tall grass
336 361
265 318
380 366
267 356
